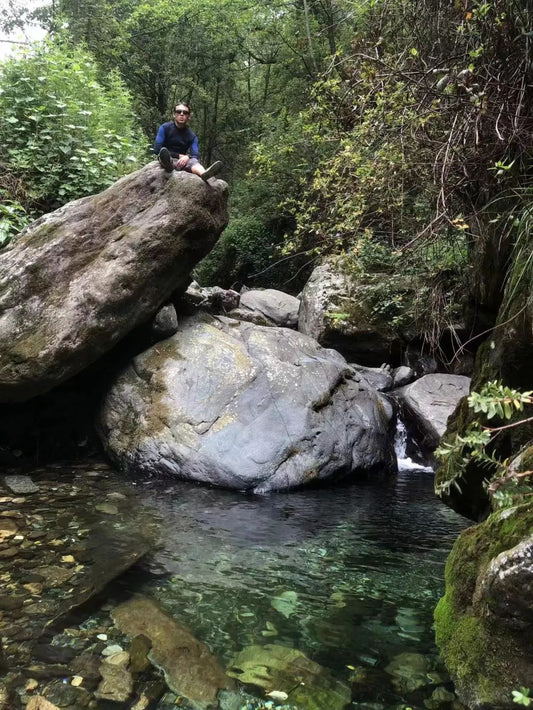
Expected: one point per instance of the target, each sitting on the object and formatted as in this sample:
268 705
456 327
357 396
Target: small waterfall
400 448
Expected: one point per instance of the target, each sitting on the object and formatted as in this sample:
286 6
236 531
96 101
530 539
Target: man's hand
182 161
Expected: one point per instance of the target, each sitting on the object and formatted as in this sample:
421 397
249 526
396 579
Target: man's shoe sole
212 170
165 160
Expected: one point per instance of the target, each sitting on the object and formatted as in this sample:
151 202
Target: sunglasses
182 112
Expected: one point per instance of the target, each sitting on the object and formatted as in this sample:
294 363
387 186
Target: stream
348 575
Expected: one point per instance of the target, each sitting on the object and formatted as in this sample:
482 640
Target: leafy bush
13 218
505 484
63 134
244 249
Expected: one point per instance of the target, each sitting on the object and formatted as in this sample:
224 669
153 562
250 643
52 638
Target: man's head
181 114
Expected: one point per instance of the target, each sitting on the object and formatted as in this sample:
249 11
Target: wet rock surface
189 667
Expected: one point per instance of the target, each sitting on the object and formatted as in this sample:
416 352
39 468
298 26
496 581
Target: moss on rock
486 657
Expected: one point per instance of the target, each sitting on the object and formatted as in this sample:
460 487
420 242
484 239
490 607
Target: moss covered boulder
484 623
364 318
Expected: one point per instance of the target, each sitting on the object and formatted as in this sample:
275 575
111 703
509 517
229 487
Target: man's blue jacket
179 141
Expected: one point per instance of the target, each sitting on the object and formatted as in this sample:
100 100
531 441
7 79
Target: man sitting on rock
177 146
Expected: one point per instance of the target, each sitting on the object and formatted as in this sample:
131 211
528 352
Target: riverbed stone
21 485
42 588
117 681
246 407
189 667
429 401
77 280
308 685
409 671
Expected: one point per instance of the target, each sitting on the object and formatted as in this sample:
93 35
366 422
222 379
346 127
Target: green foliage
63 134
497 400
244 249
13 218
505 484
522 697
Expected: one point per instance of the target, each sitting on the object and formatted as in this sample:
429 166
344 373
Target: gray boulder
340 312
379 377
402 375
241 406
77 280
429 401
268 305
212 298
165 322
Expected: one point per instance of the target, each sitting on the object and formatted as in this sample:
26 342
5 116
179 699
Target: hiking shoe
212 170
165 160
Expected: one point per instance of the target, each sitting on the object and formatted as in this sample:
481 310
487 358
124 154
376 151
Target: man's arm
194 150
159 140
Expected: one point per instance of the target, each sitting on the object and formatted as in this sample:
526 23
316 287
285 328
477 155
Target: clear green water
349 575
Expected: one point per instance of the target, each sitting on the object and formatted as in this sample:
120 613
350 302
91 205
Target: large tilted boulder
77 280
248 407
429 401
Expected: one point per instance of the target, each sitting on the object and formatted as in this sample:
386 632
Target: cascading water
401 446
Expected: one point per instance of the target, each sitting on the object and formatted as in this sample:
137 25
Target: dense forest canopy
384 131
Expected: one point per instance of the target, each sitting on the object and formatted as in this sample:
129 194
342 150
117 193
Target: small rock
440 696
117 682
10 603
33 587
8 528
111 650
40 703
8 553
107 508
20 484
139 649
122 658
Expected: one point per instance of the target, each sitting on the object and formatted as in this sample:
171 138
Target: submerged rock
190 668
306 684
409 671
246 407
77 280
22 485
